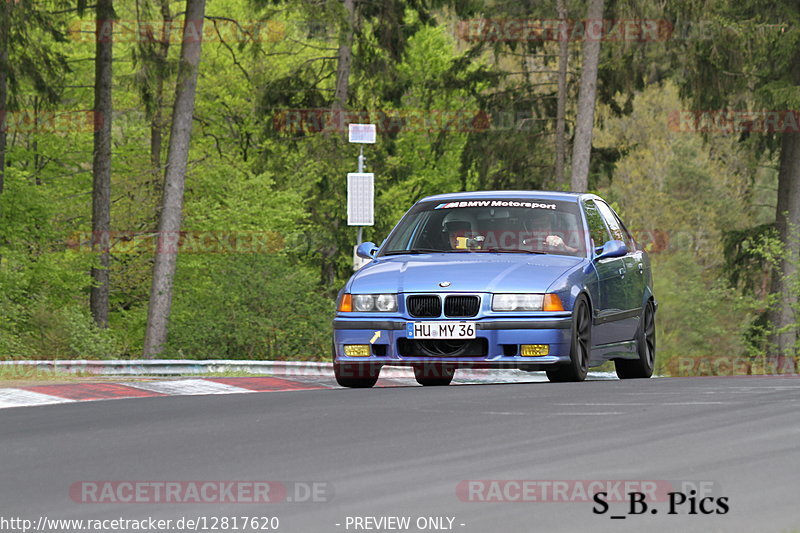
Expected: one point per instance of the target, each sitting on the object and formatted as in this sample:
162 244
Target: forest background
693 143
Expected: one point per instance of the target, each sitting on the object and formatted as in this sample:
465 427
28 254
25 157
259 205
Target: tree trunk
345 58
169 224
101 164
582 145
156 121
783 314
561 101
344 61
5 14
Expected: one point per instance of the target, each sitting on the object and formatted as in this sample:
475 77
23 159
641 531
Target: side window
629 241
597 228
613 223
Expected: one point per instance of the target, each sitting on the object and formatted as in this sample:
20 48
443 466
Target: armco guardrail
182 367
173 367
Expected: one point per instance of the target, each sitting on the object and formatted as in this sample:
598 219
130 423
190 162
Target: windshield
498 225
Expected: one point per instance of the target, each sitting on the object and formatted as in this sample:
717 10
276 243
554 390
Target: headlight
386 302
517 302
383 303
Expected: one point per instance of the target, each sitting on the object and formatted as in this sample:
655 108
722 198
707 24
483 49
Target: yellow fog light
356 350
534 350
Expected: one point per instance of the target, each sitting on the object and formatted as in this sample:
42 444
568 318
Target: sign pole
360 238
360 188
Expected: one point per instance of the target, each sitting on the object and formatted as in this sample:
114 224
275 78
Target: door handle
621 272
641 268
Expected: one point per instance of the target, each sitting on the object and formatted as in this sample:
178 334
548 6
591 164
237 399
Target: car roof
542 195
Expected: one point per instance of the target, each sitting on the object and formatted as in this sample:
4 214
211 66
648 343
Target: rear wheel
355 375
580 346
645 345
433 375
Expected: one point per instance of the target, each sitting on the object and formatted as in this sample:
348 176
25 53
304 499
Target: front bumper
502 338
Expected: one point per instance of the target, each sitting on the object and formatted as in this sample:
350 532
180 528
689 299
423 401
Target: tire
645 346
355 375
580 345
434 375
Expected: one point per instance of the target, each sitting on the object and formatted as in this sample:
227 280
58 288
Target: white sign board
360 199
362 133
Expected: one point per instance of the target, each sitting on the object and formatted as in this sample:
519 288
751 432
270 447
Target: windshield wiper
511 251
415 251
427 251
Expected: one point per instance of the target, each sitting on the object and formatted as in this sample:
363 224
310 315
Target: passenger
457 233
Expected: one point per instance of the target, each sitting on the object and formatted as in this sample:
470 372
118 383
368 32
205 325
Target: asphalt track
403 451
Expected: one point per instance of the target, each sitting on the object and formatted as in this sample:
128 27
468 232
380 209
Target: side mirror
610 249
366 250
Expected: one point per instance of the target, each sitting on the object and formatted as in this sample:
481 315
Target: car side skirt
615 350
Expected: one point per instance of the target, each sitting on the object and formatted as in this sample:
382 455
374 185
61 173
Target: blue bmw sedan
538 281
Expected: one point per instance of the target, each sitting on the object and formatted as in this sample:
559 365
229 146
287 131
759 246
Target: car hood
478 272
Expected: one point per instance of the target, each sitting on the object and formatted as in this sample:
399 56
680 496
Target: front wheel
580 345
355 375
645 345
434 375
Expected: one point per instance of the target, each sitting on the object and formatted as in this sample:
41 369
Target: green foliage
680 198
698 314
42 280
247 307
749 256
49 332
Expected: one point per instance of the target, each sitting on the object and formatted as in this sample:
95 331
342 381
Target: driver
554 241
542 224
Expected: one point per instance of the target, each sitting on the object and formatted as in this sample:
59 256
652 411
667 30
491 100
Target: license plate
440 330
